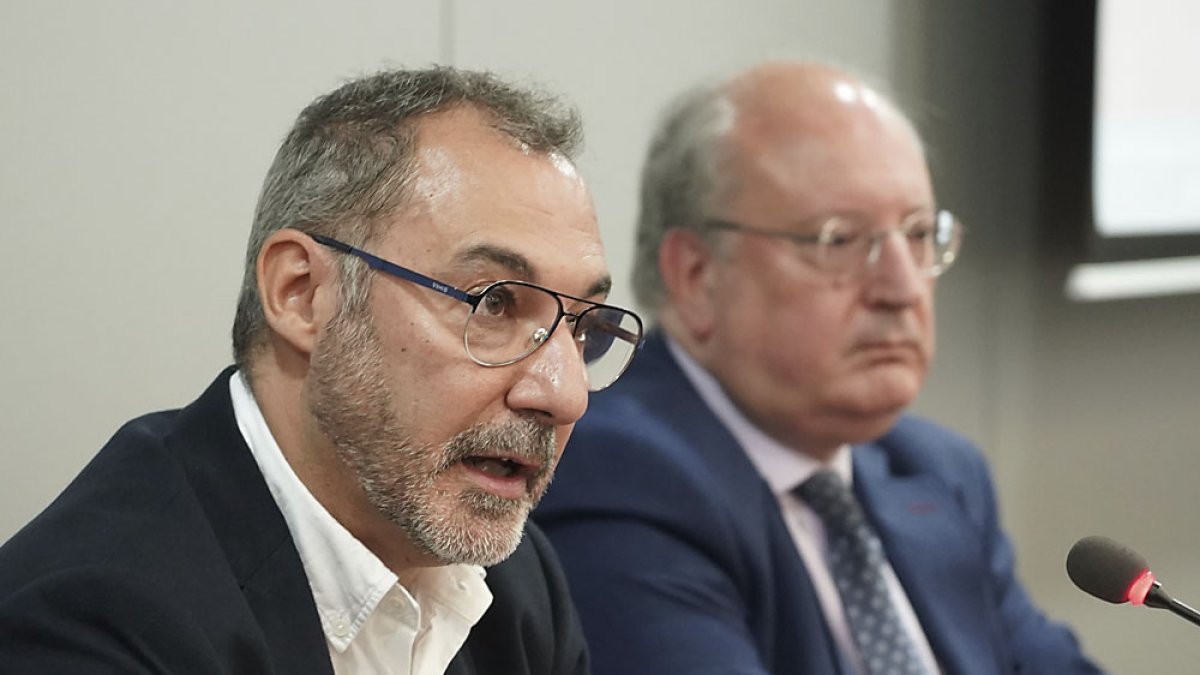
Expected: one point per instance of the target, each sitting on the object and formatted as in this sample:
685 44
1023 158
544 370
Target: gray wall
134 135
1086 410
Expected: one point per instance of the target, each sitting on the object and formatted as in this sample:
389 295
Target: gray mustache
525 440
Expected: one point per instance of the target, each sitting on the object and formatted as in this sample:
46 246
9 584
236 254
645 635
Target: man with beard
419 327
750 497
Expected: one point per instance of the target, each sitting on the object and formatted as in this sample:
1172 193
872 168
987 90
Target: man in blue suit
788 245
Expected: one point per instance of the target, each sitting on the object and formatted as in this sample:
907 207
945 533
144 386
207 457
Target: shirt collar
346 578
782 467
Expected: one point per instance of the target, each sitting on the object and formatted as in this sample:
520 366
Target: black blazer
167 554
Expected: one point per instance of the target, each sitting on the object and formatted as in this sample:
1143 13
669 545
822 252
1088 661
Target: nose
893 277
552 382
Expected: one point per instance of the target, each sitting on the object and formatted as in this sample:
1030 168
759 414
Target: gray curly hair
681 181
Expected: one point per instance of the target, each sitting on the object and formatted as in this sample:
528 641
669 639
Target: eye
921 231
842 233
841 240
497 303
840 237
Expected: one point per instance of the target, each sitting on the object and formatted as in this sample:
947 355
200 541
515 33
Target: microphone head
1112 572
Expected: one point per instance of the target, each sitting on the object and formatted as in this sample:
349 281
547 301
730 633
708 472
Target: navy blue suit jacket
167 554
680 562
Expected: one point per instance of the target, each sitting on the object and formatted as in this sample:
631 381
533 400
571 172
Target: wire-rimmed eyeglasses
846 246
510 319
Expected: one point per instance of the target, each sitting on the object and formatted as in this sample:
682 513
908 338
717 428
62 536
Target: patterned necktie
855 559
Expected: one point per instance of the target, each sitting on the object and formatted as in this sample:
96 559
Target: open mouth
498 466
502 476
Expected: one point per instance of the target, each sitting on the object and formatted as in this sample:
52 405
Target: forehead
481 199
830 146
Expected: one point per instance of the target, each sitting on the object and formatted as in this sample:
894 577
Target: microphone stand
1159 599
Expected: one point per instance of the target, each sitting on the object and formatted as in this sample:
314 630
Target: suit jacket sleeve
167 554
653 563
1038 645
90 621
929 489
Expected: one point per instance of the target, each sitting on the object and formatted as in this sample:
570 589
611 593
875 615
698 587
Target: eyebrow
512 261
602 286
519 266
859 216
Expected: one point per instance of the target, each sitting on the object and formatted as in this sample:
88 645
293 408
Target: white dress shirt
372 622
784 469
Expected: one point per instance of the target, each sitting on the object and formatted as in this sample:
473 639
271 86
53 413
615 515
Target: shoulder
653 401
918 445
642 457
117 497
134 510
131 513
649 435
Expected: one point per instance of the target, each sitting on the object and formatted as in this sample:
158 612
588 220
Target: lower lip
886 357
896 350
512 487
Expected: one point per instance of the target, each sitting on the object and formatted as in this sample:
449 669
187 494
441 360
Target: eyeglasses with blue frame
510 319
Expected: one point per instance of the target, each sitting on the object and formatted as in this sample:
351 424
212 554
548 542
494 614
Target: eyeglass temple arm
615 330
396 270
719 224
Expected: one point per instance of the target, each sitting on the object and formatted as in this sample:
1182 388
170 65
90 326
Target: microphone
1114 573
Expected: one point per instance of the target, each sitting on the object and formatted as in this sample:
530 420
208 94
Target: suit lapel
251 530
798 619
936 556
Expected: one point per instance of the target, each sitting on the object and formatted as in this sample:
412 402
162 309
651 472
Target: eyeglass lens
513 319
846 245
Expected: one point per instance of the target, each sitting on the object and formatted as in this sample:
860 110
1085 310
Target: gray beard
351 402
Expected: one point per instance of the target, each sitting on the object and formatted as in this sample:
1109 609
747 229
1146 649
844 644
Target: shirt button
341 627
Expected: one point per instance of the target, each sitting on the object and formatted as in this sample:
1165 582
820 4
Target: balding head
792 116
735 250
794 101
758 122
782 94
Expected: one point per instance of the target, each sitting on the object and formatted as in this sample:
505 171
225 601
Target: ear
297 285
687 264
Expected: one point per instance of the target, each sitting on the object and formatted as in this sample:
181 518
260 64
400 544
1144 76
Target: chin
876 408
476 530
891 387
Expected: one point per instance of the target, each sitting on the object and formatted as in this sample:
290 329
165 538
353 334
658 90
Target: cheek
437 391
416 339
785 324
805 356
929 319
816 324
923 318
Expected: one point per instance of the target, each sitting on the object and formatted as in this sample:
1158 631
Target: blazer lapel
799 623
936 555
252 531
